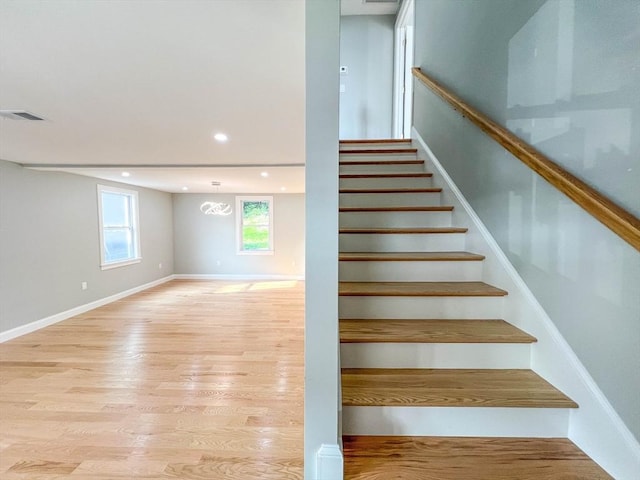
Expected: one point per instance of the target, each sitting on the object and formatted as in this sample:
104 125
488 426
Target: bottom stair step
466 458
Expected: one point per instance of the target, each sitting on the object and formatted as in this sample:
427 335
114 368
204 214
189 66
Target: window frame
240 200
134 227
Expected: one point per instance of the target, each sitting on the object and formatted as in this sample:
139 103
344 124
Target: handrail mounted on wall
613 216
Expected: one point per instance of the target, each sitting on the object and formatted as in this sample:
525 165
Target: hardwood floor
466 458
188 380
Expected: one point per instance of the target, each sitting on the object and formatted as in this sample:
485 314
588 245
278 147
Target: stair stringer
595 427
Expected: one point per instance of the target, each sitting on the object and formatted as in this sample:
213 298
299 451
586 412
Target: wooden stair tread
387 175
430 331
376 140
378 151
390 190
419 289
405 230
381 162
436 208
449 388
466 458
410 257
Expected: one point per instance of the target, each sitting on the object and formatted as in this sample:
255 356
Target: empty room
152 220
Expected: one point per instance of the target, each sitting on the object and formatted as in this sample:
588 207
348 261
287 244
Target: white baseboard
58 317
595 427
240 277
329 462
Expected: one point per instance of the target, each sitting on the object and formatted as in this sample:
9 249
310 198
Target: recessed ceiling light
264 174
125 174
221 137
185 188
282 189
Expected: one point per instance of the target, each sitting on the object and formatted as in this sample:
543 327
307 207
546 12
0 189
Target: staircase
435 385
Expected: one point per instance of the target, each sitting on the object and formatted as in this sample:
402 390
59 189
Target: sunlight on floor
257 286
273 285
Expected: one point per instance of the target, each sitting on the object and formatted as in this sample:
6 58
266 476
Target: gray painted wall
321 347
201 241
565 75
366 48
49 244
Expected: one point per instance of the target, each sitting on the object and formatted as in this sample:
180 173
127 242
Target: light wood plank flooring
188 380
460 458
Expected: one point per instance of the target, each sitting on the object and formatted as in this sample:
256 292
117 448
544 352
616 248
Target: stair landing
466 458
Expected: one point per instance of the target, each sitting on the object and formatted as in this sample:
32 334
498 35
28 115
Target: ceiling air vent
379 1
19 115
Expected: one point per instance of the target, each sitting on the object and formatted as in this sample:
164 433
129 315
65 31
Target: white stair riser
376 146
399 167
390 199
386 182
395 219
375 242
435 355
356 157
421 307
456 421
410 271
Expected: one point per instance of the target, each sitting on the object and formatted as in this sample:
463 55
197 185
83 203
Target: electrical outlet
84 285
218 263
160 266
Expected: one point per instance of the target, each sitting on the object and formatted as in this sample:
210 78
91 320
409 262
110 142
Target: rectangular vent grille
379 1
19 115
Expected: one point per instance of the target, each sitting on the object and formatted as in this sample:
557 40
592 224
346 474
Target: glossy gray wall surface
206 244
49 244
564 75
366 49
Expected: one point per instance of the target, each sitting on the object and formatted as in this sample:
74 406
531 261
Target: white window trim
136 228
239 210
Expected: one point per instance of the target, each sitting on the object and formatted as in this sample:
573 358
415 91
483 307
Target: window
255 225
118 218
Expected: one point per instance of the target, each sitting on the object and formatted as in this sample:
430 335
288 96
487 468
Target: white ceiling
147 82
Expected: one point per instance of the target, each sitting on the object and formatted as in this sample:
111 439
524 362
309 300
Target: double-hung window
119 233
254 224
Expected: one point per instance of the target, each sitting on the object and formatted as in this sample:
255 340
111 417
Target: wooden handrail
613 216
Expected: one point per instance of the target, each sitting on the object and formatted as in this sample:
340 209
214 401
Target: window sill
255 252
124 263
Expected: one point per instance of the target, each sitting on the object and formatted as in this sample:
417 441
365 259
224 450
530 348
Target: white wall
50 243
202 241
322 397
366 49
